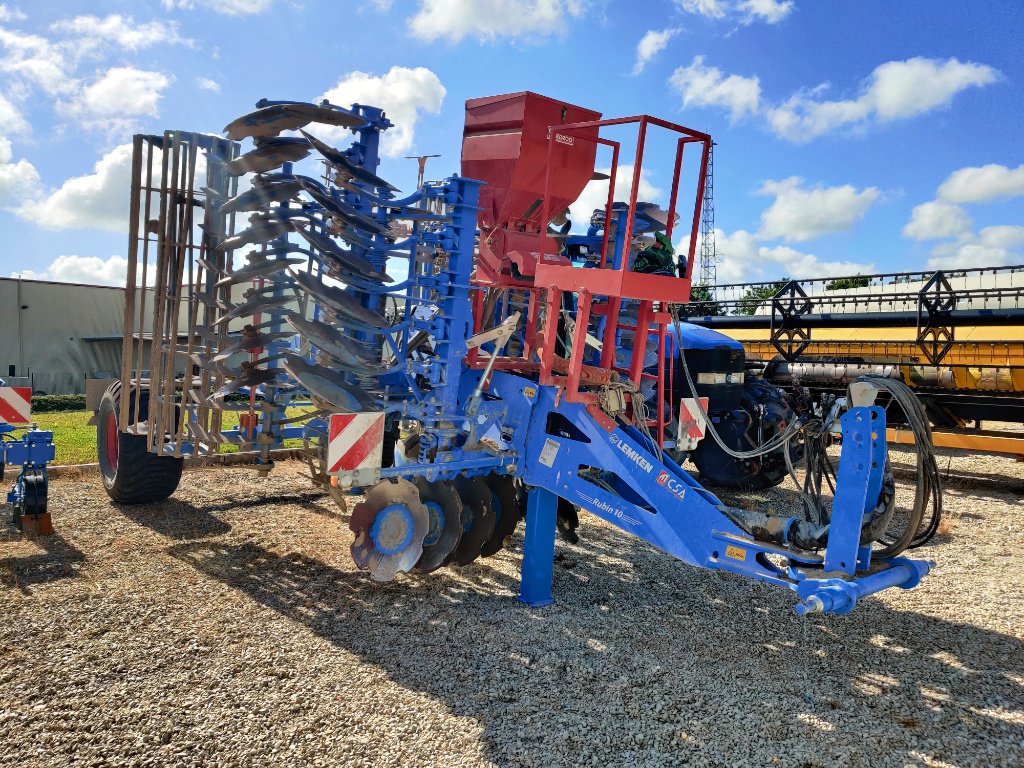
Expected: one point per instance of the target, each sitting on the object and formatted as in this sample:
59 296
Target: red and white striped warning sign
15 405
691 423
356 441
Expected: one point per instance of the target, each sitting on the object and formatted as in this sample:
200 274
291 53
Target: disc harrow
528 369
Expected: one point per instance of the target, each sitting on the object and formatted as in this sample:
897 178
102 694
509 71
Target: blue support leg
539 548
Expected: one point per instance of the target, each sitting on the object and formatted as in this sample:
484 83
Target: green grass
75 440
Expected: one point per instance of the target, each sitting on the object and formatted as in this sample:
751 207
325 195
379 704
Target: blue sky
852 136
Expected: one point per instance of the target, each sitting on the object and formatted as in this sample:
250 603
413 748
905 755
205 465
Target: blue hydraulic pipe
838 596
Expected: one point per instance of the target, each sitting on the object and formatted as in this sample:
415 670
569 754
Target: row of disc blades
422 525
321 219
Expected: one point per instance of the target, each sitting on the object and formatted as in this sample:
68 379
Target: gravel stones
228 626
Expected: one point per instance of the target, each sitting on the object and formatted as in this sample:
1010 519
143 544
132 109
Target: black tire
131 474
742 434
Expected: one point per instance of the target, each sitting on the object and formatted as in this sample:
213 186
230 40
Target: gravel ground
229 627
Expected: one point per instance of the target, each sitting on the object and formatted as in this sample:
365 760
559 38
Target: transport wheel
131 474
763 413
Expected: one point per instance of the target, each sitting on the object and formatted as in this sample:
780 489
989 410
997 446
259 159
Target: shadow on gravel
704 666
175 519
58 560
183 521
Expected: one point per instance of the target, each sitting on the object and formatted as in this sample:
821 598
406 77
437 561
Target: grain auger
456 359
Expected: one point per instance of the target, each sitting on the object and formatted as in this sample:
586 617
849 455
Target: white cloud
936 220
121 31
746 11
712 9
206 84
35 60
18 180
124 91
704 86
403 93
896 90
12 121
7 13
799 214
983 184
486 20
991 247
742 258
98 200
595 194
82 269
228 7
650 45
768 11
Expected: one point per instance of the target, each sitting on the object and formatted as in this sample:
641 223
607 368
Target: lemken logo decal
635 457
561 138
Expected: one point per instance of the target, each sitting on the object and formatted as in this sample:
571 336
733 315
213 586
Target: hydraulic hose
926 513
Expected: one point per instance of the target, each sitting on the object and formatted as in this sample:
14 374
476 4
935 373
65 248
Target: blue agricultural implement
458 358
32 450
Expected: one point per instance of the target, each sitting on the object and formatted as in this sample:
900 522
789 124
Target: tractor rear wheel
131 474
763 414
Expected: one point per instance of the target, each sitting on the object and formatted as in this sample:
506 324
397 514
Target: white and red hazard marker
691 423
356 441
15 405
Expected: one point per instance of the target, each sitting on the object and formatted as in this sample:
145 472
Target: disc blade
390 524
358 264
343 302
341 160
261 304
258 267
444 509
251 377
507 512
348 352
328 386
268 156
272 119
477 519
259 196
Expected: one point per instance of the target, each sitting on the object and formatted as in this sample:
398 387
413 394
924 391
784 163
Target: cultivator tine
328 386
271 120
444 509
477 519
390 525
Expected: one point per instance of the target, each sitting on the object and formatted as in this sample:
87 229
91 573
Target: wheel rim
112 442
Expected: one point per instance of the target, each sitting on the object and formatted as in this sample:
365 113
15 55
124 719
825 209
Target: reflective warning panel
691 423
15 405
356 441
